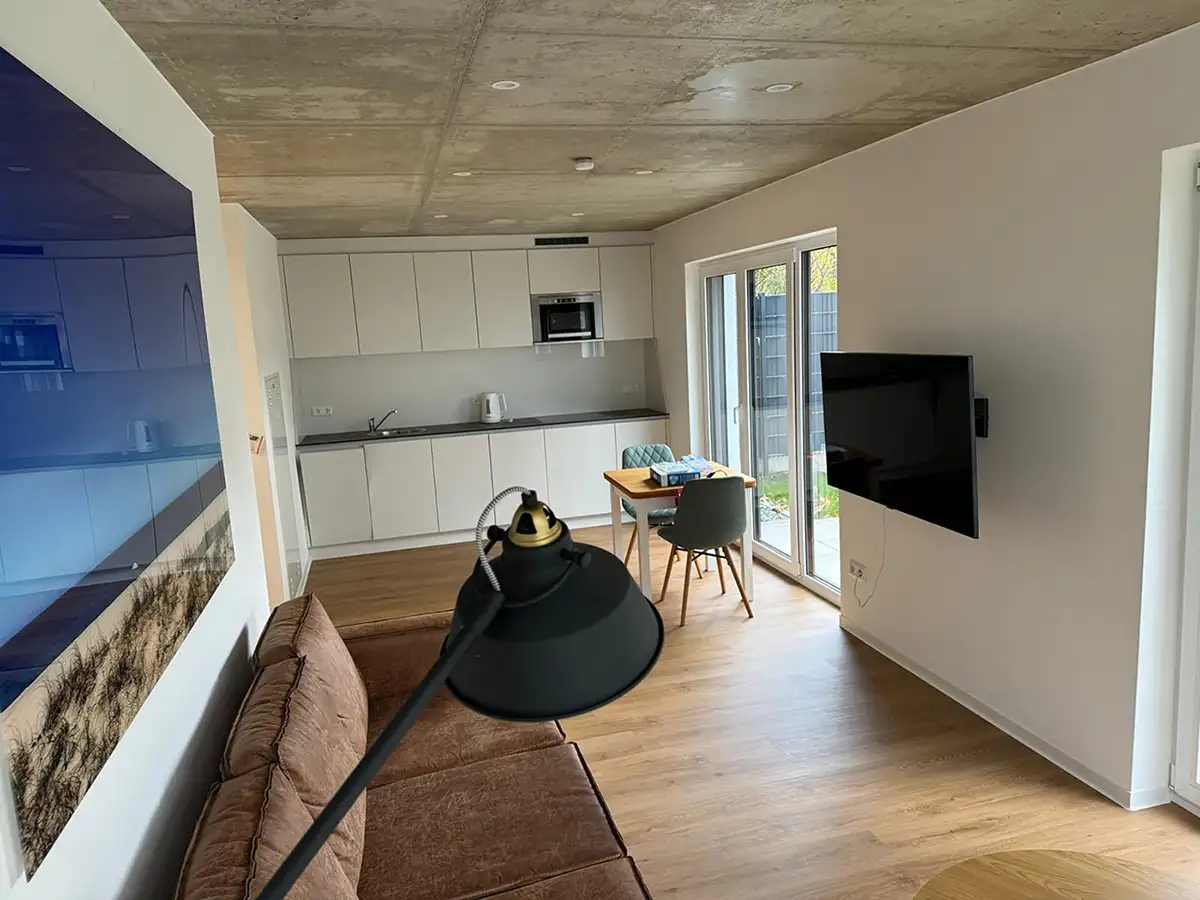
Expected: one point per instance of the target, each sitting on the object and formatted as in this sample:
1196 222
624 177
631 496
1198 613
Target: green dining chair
710 517
642 456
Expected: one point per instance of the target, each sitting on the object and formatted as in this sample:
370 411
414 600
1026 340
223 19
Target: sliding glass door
768 315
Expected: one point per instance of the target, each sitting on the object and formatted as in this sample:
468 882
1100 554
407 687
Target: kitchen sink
396 432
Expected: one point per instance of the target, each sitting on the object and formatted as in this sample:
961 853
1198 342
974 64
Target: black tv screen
900 430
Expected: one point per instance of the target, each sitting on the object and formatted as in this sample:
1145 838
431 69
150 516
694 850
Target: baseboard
441 538
1070 765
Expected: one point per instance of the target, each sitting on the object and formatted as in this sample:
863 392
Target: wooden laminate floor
777 758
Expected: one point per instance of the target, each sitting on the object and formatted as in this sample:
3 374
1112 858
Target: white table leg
616 521
643 523
748 547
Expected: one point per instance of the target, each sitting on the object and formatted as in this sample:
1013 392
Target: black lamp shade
586 643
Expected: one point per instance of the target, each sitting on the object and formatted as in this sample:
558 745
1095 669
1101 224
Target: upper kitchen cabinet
28 286
446 301
385 302
321 305
625 278
167 311
502 298
96 313
570 270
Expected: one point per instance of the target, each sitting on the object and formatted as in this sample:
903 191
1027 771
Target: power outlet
857 570
322 411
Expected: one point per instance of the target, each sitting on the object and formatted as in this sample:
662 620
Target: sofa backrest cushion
248 827
292 717
301 627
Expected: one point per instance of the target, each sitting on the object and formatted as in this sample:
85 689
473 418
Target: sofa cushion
484 828
249 825
615 880
448 734
392 663
292 717
301 627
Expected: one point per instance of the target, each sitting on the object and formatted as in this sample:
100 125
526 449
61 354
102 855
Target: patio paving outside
827 561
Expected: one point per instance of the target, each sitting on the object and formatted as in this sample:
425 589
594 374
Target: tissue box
673 474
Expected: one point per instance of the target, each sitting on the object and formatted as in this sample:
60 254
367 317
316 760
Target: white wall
436 388
1026 232
256 250
128 836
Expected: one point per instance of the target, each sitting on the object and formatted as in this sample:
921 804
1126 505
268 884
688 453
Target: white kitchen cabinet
634 434
385 302
96 311
336 497
518 458
502 298
175 498
28 286
462 472
625 279
446 300
210 481
321 305
45 529
576 460
121 514
167 310
400 479
566 270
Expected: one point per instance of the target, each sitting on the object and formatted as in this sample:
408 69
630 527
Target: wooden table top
636 484
1054 875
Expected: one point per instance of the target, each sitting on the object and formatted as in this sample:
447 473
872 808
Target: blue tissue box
673 474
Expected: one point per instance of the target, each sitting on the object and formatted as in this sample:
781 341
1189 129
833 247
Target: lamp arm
368 767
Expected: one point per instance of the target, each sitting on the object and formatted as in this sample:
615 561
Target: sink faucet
373 426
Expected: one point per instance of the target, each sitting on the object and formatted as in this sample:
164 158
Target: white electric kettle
493 407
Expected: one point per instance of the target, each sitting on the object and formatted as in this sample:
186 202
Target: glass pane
770 461
824 560
724 440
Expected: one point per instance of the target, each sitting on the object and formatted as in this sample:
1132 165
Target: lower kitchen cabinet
462 470
400 480
576 459
634 434
175 497
518 458
122 515
336 497
45 530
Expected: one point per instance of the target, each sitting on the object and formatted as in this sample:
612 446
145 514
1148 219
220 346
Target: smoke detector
584 164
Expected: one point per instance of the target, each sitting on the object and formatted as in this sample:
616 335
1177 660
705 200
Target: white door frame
1185 770
738 264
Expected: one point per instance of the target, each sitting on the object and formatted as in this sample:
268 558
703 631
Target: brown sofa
467 807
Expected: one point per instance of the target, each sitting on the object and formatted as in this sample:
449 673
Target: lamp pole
377 754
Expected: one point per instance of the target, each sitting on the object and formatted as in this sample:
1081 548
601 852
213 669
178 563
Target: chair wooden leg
629 549
737 579
687 577
696 560
720 572
667 576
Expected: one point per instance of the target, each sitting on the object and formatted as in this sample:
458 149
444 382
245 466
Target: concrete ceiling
340 118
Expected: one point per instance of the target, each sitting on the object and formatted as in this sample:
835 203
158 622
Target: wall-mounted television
900 430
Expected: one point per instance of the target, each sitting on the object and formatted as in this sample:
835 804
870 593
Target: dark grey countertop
421 432
126 457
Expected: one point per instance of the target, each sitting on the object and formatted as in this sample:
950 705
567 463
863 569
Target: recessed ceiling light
576 215
727 95
644 172
19 169
463 174
440 216
584 163
121 217
505 85
779 88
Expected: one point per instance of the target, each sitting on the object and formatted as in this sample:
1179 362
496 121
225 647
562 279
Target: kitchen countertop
88 460
411 433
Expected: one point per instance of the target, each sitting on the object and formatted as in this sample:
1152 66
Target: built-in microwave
36 342
565 318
